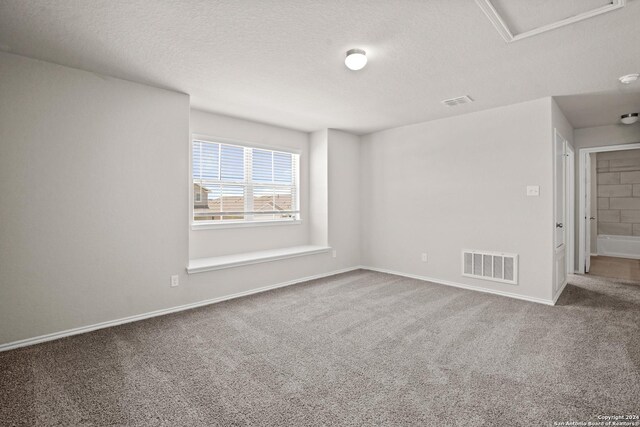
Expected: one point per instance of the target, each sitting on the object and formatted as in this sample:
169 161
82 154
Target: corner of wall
319 188
344 195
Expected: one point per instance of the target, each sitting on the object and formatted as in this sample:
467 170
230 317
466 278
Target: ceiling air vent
452 102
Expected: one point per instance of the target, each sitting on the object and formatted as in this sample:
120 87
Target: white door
560 150
587 213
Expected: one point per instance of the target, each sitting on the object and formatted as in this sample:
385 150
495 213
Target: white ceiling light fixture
356 59
629 78
629 119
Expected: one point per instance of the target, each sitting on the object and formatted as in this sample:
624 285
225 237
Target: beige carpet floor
361 348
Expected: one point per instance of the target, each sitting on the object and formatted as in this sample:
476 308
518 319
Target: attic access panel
514 21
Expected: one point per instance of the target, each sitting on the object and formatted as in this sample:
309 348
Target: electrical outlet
335 253
175 280
424 257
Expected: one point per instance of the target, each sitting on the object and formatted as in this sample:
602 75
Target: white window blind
236 183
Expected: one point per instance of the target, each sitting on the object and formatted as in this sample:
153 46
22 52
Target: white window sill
241 224
228 261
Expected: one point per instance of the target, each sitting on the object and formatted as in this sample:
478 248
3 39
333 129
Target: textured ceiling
281 62
599 109
520 16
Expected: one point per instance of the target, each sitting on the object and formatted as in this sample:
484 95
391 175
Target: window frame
204 225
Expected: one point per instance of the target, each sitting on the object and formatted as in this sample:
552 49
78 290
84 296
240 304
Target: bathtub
619 246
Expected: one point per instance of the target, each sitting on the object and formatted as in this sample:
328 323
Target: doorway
615 250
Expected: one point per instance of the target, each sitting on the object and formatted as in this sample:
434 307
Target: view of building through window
235 183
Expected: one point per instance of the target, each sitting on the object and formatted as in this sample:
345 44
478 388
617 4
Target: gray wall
560 122
319 188
94 193
618 179
70 138
460 182
601 136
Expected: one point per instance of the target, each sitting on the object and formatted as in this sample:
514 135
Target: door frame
571 207
582 219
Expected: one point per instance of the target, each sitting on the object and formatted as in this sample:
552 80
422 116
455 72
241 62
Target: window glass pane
209 207
232 201
283 199
206 158
196 157
262 166
282 168
214 192
210 161
278 202
231 163
263 199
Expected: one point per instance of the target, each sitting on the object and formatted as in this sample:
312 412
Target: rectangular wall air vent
452 102
494 266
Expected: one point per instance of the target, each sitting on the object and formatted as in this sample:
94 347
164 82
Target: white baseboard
129 319
463 286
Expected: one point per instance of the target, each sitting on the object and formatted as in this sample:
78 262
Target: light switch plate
533 190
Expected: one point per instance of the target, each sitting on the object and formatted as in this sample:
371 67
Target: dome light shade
356 59
629 119
629 78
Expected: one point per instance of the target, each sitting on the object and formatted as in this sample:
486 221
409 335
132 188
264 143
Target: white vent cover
494 266
452 102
